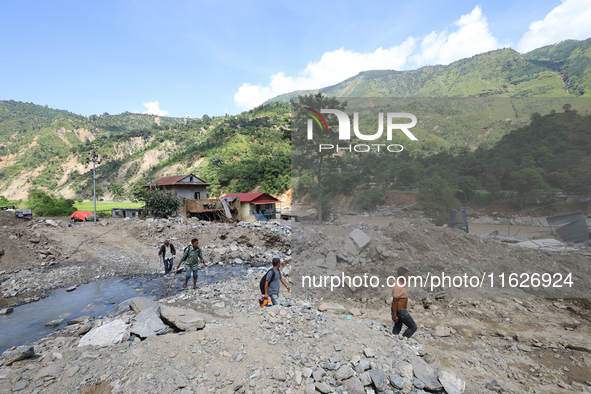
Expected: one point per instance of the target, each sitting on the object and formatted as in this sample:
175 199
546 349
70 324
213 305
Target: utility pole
95 160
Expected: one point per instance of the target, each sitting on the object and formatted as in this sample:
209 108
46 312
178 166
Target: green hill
46 148
560 70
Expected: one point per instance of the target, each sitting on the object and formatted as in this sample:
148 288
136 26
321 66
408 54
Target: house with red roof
186 186
257 206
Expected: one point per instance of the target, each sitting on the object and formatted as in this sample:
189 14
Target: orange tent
81 215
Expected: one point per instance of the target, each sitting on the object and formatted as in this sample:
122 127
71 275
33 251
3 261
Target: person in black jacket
167 252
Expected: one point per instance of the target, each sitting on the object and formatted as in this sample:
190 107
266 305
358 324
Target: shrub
45 204
368 200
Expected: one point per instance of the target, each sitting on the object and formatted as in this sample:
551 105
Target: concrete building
257 206
184 186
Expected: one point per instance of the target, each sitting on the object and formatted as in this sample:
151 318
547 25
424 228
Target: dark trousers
404 318
167 265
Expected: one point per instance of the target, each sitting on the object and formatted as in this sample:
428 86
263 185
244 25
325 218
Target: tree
437 197
467 186
306 153
161 203
117 191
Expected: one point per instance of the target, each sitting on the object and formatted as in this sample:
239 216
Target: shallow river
27 323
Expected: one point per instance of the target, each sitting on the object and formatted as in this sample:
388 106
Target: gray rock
79 320
21 385
52 370
364 365
55 323
406 372
426 374
344 372
6 311
331 307
148 323
109 334
331 261
279 374
360 239
495 386
397 381
369 353
182 319
69 289
7 372
442 331
84 329
137 304
318 374
378 377
323 388
354 386
365 378
310 388
451 383
337 348
418 383
20 353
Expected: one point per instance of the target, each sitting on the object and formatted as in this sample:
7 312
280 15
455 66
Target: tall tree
306 153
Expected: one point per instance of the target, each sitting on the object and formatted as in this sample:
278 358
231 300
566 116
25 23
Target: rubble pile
423 248
238 243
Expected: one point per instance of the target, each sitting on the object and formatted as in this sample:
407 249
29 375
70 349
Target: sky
190 58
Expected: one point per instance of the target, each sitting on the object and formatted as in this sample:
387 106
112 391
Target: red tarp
81 215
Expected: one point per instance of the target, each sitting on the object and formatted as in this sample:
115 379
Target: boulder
495 386
137 304
331 307
20 353
182 319
354 386
79 320
360 239
55 323
6 311
378 377
451 383
148 323
344 372
442 331
426 374
109 334
397 381
406 372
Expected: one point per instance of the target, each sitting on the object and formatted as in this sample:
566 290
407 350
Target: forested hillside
45 148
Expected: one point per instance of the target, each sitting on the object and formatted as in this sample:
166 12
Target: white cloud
153 108
569 20
471 38
332 68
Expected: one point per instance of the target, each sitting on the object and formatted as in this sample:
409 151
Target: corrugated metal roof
574 227
172 180
254 197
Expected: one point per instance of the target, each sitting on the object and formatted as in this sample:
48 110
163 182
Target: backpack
264 279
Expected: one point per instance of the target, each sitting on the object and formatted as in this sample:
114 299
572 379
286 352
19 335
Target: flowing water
27 323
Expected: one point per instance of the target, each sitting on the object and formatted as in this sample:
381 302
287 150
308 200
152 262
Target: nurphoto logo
345 129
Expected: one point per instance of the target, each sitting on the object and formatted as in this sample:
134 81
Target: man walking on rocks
191 257
167 252
399 302
272 282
